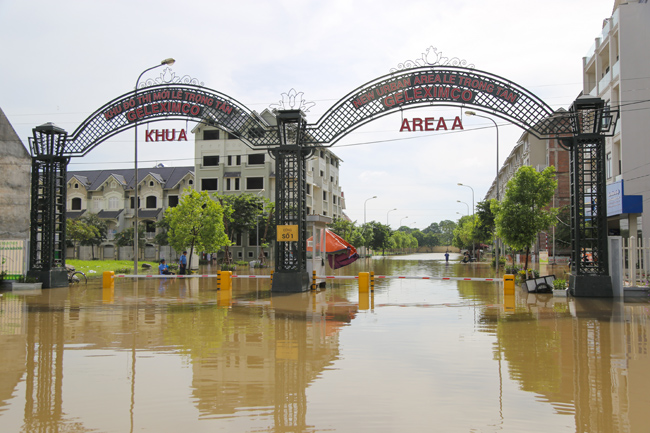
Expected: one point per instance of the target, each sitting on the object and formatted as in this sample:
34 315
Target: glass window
256 159
254 183
209 184
608 166
76 203
210 161
211 134
151 202
173 200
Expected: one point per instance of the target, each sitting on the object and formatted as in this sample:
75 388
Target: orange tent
339 252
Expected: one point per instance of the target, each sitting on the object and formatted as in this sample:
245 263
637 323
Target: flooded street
417 355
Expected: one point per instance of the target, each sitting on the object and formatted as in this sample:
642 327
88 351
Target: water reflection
171 355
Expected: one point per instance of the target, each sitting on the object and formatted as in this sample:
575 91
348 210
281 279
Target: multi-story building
539 153
617 69
226 165
110 195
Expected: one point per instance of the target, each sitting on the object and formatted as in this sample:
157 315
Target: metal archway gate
291 140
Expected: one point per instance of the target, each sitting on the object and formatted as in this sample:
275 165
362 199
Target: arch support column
48 206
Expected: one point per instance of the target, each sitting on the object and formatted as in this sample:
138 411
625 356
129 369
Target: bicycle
74 277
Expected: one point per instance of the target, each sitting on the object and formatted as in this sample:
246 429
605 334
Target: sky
63 60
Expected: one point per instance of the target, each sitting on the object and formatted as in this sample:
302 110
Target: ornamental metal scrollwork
167 76
293 100
432 58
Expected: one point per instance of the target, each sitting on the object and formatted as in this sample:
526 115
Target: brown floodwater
417 355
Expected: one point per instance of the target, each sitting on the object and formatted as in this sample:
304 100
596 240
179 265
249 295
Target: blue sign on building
618 203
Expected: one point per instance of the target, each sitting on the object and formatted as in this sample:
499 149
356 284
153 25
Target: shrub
559 284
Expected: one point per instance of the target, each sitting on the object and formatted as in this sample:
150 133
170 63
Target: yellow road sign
287 233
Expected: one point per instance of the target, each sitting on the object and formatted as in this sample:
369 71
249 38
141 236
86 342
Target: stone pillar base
290 282
57 277
591 286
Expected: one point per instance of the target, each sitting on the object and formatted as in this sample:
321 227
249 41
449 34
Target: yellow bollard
226 280
509 303
224 298
108 280
372 281
508 284
272 276
364 301
313 280
218 280
364 280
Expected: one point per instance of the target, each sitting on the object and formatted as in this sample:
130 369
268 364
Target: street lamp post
136 238
364 222
257 218
473 218
496 240
387 215
458 201
400 222
364 208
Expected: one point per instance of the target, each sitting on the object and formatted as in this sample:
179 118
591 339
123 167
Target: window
76 185
324 195
308 210
254 183
76 203
252 238
250 254
173 200
237 241
97 204
308 189
256 159
113 203
234 160
210 161
231 137
332 179
209 184
151 202
151 183
191 181
334 199
211 135
608 166
322 173
232 184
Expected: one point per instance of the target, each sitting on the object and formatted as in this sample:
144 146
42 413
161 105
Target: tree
464 233
446 234
380 236
524 211
98 233
125 238
348 230
78 231
196 223
240 215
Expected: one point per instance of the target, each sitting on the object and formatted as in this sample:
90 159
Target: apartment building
226 165
617 69
110 195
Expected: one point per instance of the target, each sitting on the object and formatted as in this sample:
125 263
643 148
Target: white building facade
617 69
226 165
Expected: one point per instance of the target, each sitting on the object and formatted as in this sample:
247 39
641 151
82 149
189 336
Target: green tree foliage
380 236
78 231
524 211
348 231
196 223
433 228
464 233
99 232
125 238
240 214
446 234
484 228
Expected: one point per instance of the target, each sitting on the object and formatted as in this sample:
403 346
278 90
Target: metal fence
636 255
13 256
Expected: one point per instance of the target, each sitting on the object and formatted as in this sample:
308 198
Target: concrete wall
15 163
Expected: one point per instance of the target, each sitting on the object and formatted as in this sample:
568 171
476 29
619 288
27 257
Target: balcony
604 82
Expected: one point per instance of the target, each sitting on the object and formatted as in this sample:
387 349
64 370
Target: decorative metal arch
289 140
436 85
